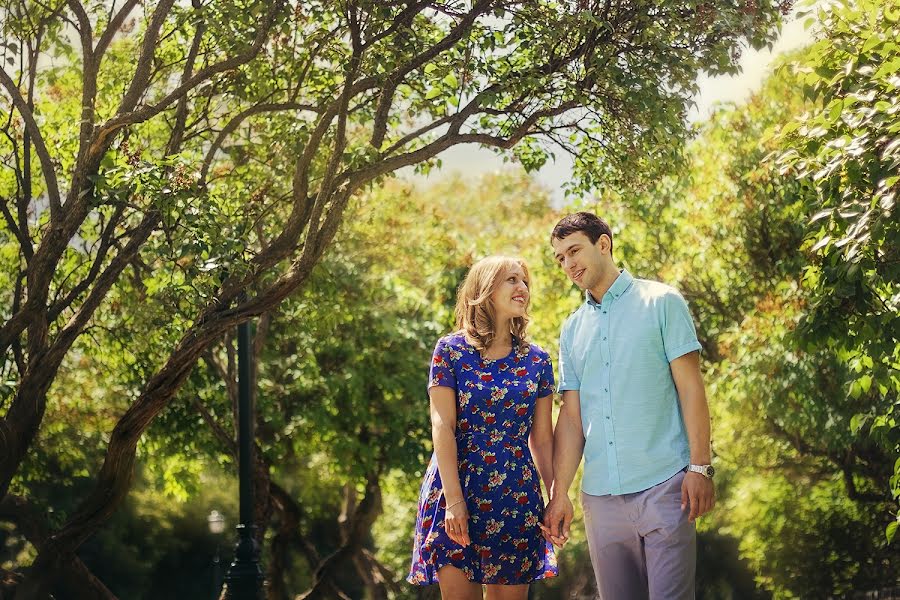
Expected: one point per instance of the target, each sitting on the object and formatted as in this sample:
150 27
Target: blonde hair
475 314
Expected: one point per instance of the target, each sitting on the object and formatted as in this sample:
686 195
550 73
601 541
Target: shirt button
610 443
604 312
607 418
604 339
605 390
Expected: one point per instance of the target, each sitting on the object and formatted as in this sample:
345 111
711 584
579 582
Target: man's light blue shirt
616 354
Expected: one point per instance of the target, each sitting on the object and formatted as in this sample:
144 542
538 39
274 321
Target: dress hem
437 566
539 578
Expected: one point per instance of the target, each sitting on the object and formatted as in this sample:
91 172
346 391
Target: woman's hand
557 519
456 522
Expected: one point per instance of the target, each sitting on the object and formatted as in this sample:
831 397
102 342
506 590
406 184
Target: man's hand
557 519
699 492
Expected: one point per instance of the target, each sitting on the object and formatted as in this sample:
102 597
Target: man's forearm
694 407
568 446
696 422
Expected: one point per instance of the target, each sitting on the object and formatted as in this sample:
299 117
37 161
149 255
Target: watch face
710 471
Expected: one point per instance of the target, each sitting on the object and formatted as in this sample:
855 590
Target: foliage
783 236
437 235
846 150
172 169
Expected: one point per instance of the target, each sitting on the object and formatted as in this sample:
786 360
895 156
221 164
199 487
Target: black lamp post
244 580
216 522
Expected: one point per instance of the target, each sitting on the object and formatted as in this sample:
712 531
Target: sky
474 161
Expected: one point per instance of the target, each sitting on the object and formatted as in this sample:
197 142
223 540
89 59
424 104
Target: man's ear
604 243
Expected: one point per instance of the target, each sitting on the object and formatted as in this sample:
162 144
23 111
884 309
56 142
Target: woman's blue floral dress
495 401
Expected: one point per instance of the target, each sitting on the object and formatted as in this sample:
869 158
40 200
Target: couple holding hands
633 405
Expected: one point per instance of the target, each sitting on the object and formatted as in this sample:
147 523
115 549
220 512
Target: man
634 405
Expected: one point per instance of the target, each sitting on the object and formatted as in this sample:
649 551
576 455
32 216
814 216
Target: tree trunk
76 580
353 532
375 585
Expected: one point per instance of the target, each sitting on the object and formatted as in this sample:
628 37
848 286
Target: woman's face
511 297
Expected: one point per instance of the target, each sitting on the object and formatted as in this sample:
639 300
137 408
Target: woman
491 393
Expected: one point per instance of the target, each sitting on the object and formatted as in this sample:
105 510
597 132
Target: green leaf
891 531
433 93
835 112
821 243
871 43
888 68
865 382
450 80
790 127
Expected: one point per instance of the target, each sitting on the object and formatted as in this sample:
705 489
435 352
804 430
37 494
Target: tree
846 152
220 143
329 433
431 237
782 234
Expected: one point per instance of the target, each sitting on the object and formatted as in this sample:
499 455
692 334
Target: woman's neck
503 338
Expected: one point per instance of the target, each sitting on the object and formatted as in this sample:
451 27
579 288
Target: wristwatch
706 470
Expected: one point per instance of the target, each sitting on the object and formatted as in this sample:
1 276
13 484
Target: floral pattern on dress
495 402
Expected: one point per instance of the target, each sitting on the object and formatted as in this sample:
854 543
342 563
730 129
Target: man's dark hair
589 223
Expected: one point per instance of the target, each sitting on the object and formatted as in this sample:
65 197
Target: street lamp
216 521
244 579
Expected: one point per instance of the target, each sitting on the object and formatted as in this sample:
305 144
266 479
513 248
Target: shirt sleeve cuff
682 350
568 387
443 384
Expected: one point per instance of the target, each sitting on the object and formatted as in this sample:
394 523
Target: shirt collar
622 283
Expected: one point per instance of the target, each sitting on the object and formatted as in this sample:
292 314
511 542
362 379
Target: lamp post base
243 591
244 580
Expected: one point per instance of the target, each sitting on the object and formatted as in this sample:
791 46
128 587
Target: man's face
581 260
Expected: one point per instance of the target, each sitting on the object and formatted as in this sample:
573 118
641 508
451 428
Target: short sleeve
545 382
568 380
441 367
679 334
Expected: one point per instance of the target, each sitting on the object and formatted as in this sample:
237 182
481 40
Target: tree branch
127 114
110 275
24 242
89 76
106 238
115 23
236 121
217 429
356 528
181 112
145 60
22 194
451 138
31 522
39 146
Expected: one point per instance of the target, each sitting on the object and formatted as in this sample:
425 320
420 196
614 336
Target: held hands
698 492
456 522
557 519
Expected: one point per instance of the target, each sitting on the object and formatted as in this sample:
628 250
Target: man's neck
609 278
